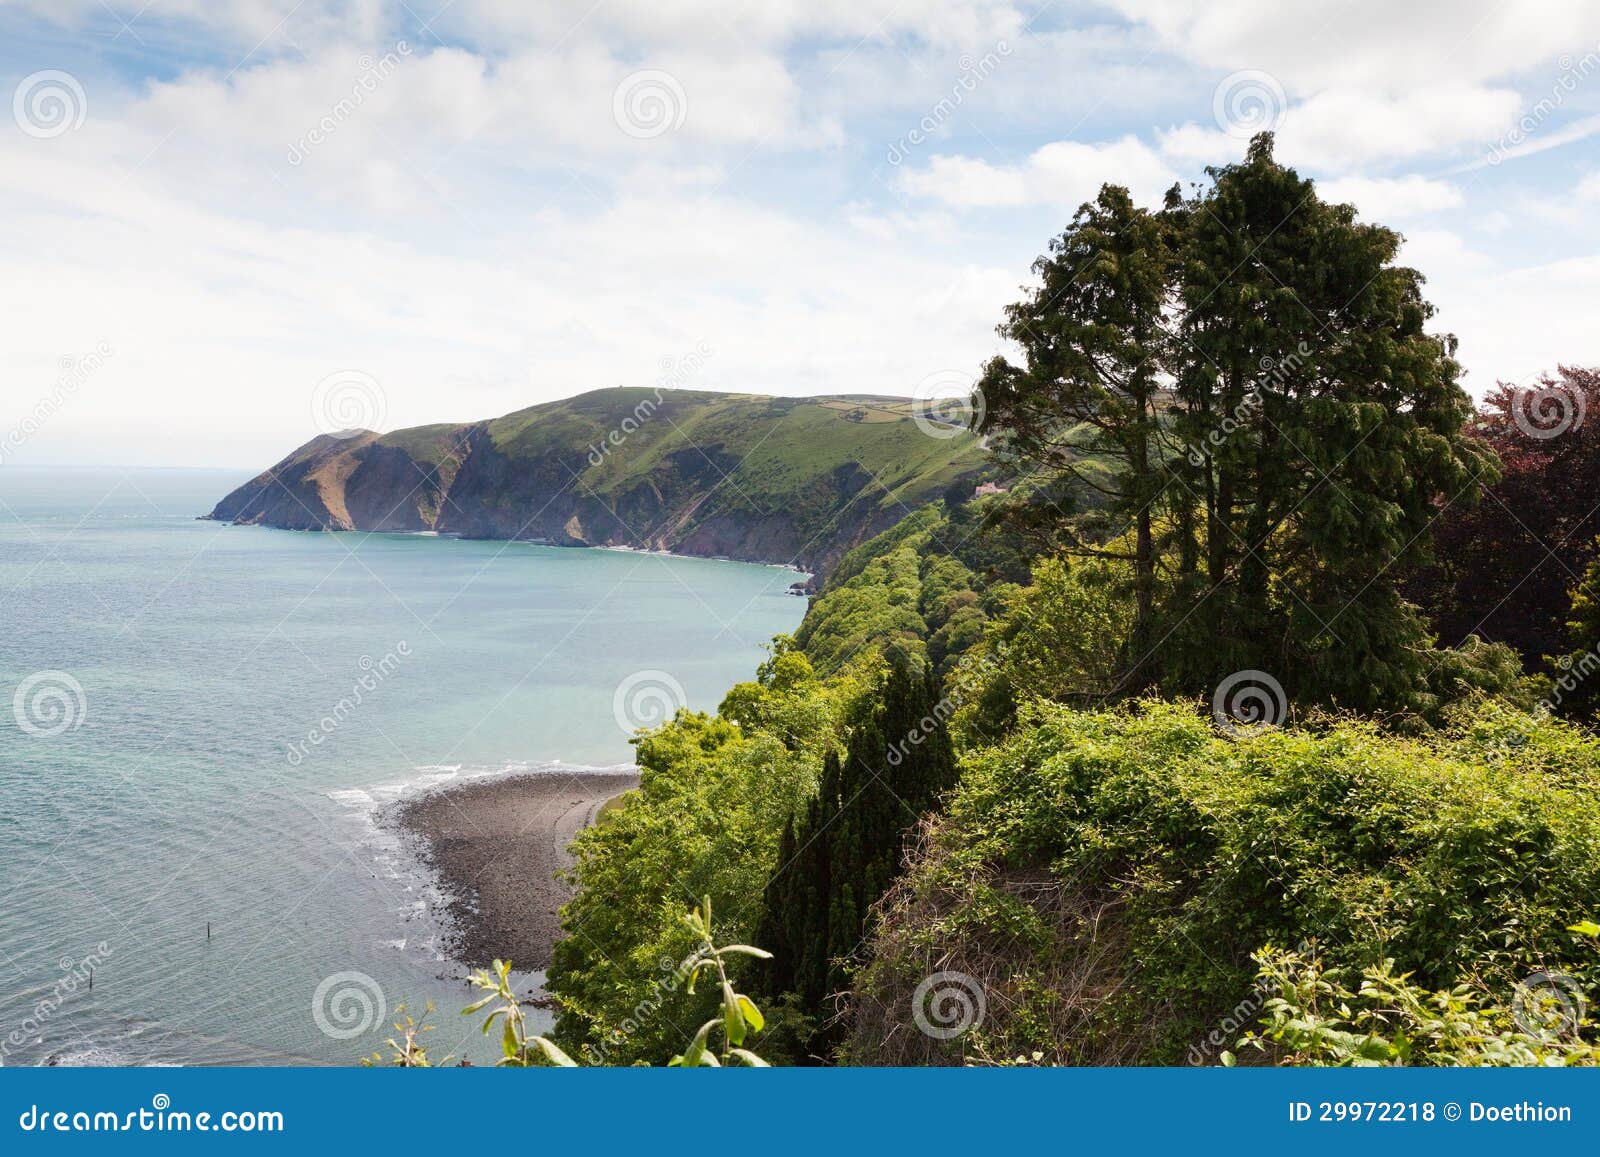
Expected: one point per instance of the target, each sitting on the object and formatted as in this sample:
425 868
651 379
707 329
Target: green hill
791 480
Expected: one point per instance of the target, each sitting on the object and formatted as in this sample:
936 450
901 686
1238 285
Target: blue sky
213 210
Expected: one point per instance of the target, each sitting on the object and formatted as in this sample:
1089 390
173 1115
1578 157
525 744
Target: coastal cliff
761 479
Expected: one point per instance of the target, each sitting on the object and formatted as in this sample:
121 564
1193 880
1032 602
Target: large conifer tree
848 847
1279 489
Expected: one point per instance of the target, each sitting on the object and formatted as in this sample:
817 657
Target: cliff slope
788 480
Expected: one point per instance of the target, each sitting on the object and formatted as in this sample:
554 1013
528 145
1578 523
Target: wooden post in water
208 930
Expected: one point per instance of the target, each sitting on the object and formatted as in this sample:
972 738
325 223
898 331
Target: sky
230 225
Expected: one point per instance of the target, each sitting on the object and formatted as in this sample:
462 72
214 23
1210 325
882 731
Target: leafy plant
516 1047
739 1016
405 1051
1312 1018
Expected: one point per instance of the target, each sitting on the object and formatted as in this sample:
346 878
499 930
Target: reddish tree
1505 568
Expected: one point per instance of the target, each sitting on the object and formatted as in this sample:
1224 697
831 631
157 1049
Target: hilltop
788 480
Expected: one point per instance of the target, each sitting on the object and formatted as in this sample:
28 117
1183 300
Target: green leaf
748 950
752 1014
1585 928
474 1006
697 1048
732 1015
749 1058
554 1054
508 1039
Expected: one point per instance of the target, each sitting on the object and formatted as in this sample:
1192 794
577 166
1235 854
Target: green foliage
715 795
705 819
739 1014
406 1050
1063 639
517 1048
1270 501
1312 1018
1575 670
738 1017
1473 671
871 611
1143 846
718 794
916 590
835 861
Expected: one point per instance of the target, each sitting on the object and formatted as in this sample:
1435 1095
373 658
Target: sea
202 727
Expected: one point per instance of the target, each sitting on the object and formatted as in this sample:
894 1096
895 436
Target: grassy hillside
796 480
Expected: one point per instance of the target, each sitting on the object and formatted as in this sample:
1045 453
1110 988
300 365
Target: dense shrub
1109 876
705 822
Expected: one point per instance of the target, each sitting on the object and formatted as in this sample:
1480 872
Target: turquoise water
181 785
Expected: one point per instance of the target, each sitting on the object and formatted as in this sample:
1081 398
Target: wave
126 1042
362 824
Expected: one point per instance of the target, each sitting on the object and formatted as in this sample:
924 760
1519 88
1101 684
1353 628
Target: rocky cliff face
758 479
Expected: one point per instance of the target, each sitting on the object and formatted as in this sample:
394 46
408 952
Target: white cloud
479 233
1371 81
1342 126
1374 44
1062 174
222 324
1516 322
1381 199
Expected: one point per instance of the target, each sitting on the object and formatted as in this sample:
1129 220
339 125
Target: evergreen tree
848 848
1090 392
1251 370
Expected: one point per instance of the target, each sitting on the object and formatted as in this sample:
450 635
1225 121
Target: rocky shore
496 846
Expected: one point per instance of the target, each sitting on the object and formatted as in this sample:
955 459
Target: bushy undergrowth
1109 876
715 795
1313 1017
